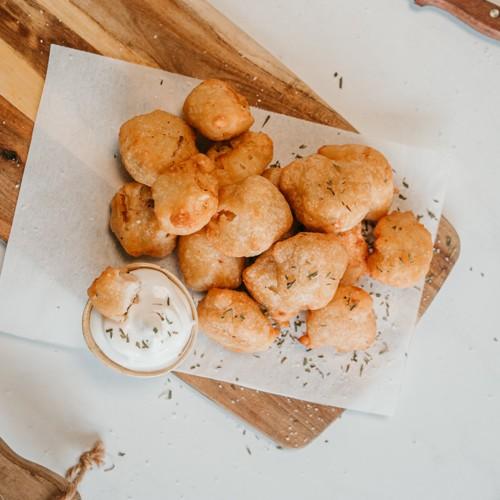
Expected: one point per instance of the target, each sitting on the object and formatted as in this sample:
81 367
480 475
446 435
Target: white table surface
409 74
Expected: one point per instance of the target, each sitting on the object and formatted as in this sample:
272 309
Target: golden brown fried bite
403 250
204 267
347 323
357 250
273 174
235 321
325 196
149 143
378 172
217 111
299 273
113 292
134 223
252 215
245 155
185 195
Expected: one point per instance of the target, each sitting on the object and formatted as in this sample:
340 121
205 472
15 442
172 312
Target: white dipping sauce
157 328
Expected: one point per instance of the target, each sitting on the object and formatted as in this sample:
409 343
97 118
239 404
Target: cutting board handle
481 15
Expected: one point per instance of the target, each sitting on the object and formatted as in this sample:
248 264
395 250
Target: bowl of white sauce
159 330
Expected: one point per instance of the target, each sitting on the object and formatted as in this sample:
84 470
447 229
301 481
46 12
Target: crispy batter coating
235 321
325 196
252 215
185 195
134 223
378 172
245 155
357 250
204 267
299 273
403 250
113 292
273 174
347 323
217 111
151 142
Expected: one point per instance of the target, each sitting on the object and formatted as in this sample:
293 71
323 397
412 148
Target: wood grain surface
481 15
21 479
188 37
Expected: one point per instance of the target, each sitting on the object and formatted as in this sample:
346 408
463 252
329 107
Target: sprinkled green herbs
303 146
329 186
110 332
283 359
405 184
290 283
268 117
227 311
312 275
402 197
385 348
346 206
431 215
124 336
448 241
155 330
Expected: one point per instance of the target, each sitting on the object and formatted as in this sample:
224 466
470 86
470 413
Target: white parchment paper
60 238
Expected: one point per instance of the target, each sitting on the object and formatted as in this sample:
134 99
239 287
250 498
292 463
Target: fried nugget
325 196
347 323
252 215
134 223
378 172
403 250
235 321
113 292
273 174
245 155
149 143
217 111
299 273
185 195
357 250
204 267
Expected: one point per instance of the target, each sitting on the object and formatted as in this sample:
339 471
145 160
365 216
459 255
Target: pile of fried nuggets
292 235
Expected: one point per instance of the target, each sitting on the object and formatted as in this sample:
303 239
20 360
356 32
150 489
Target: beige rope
75 474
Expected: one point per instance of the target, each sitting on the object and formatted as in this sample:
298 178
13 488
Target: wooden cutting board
21 479
192 38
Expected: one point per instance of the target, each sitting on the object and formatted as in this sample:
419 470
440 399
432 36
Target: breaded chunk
299 273
347 323
378 171
217 111
185 195
252 215
113 292
134 223
235 321
149 143
248 154
325 196
357 250
204 267
403 250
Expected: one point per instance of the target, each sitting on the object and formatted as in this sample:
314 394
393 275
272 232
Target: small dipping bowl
97 336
